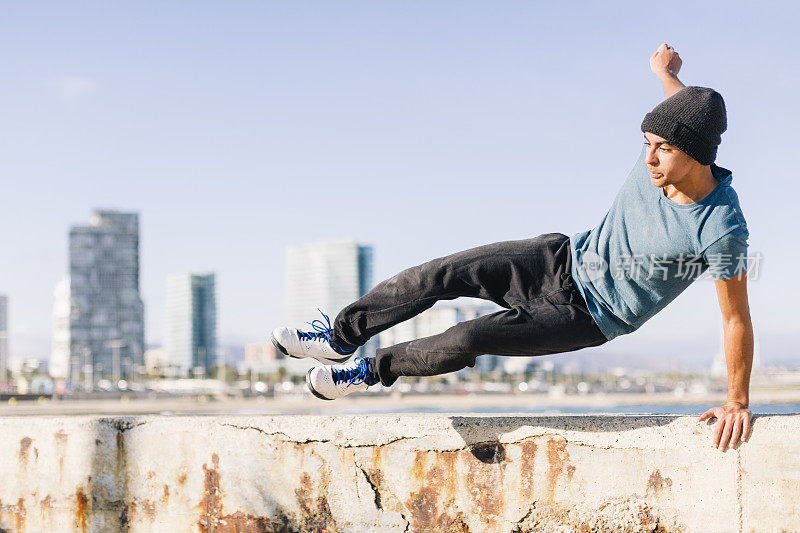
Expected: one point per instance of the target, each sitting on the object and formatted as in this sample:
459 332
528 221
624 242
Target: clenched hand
665 61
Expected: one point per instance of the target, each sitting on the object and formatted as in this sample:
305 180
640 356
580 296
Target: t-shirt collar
722 174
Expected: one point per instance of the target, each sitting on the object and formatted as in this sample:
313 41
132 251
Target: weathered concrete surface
395 473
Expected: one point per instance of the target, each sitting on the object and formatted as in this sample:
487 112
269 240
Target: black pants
544 312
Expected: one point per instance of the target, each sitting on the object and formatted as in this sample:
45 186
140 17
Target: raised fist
665 60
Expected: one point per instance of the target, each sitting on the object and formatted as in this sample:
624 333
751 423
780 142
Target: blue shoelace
322 332
354 375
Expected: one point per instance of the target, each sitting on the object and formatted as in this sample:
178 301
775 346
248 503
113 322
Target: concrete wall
395 473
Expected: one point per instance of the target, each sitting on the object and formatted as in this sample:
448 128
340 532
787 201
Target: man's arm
738 337
666 63
733 418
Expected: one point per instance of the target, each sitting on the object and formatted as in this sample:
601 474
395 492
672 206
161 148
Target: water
665 409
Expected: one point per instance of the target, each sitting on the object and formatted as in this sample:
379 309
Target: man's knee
464 337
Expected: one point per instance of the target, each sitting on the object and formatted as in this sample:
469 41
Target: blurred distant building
107 318
155 361
436 320
261 357
328 275
60 344
3 337
190 324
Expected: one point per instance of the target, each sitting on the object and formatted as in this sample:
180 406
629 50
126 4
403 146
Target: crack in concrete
375 490
586 444
739 509
517 526
377 493
120 424
288 438
465 446
573 442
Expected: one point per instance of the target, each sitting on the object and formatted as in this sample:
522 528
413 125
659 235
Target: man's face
667 164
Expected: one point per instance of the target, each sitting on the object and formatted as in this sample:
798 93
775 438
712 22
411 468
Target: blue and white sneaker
317 344
335 381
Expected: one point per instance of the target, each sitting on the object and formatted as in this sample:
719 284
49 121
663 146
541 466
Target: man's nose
651 159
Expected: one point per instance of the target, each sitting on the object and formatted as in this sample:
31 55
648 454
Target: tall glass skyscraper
106 316
3 337
190 327
59 366
328 275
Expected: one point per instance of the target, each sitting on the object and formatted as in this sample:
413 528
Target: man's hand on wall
733 424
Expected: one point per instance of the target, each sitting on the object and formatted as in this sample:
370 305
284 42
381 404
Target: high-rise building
107 316
60 345
261 357
328 275
3 337
190 327
436 320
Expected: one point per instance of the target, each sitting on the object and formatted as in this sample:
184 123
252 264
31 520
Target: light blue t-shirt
647 249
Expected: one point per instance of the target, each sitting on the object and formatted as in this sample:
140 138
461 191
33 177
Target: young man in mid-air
675 217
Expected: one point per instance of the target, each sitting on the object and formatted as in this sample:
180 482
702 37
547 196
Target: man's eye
665 149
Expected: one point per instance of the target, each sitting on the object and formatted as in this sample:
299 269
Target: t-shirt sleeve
727 256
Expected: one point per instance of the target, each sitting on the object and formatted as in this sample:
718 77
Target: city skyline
396 126
365 256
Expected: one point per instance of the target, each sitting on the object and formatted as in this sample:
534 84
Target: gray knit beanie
692 119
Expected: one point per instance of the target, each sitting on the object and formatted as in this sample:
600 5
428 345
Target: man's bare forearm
671 84
666 63
738 335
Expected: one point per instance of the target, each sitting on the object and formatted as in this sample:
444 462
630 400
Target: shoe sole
323 360
312 389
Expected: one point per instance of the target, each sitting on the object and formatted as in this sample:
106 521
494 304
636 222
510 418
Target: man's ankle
373 370
340 346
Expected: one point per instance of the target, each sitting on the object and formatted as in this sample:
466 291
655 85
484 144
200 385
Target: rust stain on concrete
81 506
316 512
212 519
45 504
211 503
448 462
418 468
120 439
485 466
558 465
376 456
61 444
527 474
147 507
423 507
17 511
24 446
431 505
657 483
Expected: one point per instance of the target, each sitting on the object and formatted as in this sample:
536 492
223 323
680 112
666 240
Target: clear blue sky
421 128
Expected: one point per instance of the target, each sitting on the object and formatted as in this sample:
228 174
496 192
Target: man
675 217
